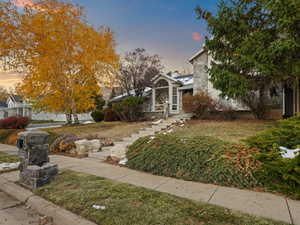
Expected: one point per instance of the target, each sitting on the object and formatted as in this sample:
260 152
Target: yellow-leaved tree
9 21
64 57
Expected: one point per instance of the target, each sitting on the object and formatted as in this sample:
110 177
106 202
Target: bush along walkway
118 151
254 203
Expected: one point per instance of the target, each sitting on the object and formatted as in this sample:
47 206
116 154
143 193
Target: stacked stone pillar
35 168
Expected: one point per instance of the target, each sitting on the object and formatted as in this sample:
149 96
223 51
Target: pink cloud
31 4
23 3
196 36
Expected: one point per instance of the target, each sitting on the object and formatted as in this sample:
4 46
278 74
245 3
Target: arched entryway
165 91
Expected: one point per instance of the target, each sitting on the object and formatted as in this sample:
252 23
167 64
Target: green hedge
286 133
97 115
204 159
280 174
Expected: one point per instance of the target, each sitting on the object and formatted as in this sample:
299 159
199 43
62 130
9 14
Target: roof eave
197 55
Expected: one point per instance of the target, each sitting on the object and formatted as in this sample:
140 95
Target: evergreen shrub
203 159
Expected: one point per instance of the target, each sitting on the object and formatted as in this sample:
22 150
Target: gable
17 98
166 77
200 57
10 101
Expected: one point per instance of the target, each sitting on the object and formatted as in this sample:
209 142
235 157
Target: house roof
16 98
165 76
186 79
119 97
197 54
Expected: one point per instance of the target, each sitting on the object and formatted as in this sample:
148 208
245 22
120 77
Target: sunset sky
165 27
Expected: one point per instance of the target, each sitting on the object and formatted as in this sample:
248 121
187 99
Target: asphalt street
13 212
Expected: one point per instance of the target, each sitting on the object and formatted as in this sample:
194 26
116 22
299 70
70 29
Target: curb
59 215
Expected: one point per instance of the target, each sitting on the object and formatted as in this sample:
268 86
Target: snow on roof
164 75
132 92
187 79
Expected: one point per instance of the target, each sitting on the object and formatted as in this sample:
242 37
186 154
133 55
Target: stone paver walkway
120 148
255 203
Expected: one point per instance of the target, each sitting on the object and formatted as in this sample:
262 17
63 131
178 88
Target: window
175 99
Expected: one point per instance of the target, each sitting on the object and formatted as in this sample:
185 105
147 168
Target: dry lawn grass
5 158
232 131
130 205
111 130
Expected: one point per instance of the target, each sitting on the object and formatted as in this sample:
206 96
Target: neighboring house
172 88
17 106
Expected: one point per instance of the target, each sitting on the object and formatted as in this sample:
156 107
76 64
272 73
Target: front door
175 101
161 98
288 102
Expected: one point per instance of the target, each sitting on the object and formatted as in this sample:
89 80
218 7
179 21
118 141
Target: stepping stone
146 133
120 148
131 140
122 143
106 148
99 155
137 136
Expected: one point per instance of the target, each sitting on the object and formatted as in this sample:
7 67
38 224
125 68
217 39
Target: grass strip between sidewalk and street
124 204
6 158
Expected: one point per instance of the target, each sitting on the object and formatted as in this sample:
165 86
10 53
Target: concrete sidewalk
255 203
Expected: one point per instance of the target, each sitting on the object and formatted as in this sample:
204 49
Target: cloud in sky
196 36
9 79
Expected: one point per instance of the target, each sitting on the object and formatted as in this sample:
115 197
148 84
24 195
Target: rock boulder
83 147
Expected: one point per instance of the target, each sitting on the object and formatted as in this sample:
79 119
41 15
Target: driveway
44 125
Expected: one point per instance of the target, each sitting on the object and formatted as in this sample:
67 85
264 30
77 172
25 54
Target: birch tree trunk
75 117
69 118
74 112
